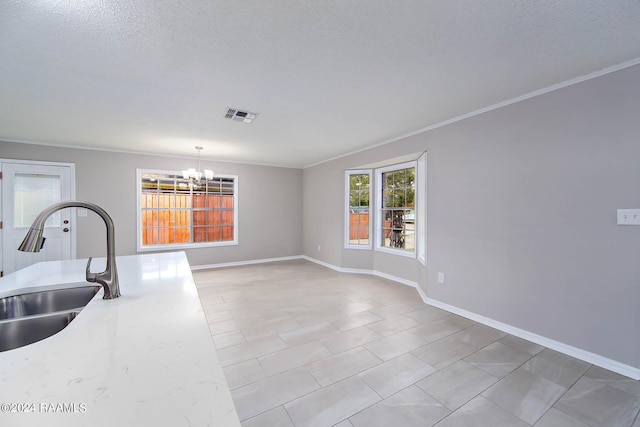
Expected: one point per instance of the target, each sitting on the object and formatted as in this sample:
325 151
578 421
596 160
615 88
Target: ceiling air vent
239 115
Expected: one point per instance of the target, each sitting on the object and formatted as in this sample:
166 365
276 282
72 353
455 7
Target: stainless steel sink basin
39 312
23 331
49 301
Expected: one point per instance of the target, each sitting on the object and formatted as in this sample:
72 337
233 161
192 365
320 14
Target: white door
28 188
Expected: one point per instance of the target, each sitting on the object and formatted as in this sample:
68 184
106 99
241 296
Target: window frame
379 209
421 209
178 246
347 208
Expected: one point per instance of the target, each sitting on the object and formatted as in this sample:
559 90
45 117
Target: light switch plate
628 216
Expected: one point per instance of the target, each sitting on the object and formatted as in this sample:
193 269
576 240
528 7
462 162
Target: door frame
72 192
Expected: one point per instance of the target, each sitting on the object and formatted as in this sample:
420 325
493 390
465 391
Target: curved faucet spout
34 241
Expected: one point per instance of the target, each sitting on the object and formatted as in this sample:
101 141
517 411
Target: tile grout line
293 294
563 394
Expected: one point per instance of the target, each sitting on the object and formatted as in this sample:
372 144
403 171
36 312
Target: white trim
421 210
72 196
37 162
240 263
362 271
326 264
399 252
182 246
595 359
396 166
491 107
378 208
347 207
395 279
578 353
336 268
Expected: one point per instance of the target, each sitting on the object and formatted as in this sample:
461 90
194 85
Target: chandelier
195 175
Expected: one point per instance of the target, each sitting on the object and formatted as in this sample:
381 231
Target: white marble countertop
146 358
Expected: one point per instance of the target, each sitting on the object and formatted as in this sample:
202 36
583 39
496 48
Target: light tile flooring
302 345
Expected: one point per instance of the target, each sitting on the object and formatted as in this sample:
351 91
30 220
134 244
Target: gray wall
521 215
270 201
521 211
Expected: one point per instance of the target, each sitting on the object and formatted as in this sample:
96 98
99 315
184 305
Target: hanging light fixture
195 175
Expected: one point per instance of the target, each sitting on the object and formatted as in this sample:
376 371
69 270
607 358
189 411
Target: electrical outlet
319 248
628 216
441 278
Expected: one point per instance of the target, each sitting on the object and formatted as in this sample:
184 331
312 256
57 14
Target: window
173 213
358 209
395 201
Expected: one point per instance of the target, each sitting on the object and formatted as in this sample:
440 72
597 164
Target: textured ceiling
327 77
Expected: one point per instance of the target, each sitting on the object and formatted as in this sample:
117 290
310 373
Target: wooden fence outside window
170 218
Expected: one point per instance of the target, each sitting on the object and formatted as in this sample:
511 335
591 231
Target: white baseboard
324 264
239 263
396 279
578 353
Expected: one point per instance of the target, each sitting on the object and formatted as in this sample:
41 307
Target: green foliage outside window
398 210
359 190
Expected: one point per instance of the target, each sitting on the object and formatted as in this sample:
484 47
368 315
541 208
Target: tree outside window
358 191
398 209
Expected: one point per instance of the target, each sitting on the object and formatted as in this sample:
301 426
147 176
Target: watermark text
44 407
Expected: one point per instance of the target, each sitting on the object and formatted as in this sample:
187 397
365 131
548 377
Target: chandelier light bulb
195 175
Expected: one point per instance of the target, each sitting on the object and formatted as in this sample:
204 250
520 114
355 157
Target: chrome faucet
34 241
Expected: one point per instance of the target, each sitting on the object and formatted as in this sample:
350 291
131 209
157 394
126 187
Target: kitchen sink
47 301
23 331
39 312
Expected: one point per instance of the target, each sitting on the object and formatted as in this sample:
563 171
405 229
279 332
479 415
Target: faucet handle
91 277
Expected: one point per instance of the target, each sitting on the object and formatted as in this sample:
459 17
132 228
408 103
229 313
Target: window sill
359 247
152 248
399 252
